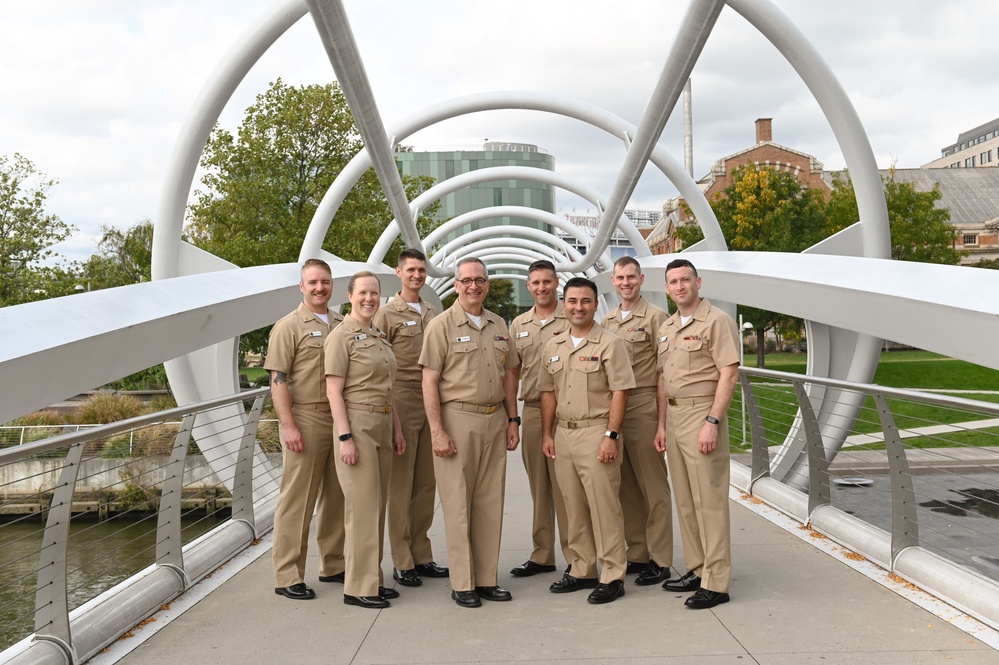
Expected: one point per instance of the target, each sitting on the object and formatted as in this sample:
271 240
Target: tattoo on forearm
280 377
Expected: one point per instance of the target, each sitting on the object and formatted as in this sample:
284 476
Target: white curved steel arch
443 188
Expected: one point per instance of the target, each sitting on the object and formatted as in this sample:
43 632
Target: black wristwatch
713 420
612 434
347 436
515 419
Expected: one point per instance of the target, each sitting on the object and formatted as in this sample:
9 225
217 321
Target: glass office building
443 163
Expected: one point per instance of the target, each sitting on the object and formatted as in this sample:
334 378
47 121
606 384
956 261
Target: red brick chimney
764 130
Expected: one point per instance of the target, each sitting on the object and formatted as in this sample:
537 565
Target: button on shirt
363 356
639 332
471 361
690 356
296 348
529 339
404 328
583 378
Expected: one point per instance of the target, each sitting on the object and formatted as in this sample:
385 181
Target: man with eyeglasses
470 393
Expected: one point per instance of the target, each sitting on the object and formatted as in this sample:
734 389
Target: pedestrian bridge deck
796 598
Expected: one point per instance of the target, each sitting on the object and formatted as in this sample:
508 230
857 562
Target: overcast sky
96 92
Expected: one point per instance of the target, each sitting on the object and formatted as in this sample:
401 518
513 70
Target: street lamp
743 329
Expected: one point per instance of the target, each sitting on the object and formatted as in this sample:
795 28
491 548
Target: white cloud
97 92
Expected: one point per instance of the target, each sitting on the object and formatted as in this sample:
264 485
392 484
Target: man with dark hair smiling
584 383
531 331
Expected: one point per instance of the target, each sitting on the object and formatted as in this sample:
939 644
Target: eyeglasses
468 281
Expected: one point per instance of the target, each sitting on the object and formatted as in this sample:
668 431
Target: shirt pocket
364 352
595 379
501 349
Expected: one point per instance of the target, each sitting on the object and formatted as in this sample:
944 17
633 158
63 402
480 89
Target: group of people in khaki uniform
602 403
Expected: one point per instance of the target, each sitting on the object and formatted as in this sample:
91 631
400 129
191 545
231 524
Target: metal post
51 605
904 521
169 545
242 481
818 464
761 451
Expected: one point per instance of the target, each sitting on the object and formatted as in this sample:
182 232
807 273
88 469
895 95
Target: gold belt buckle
386 409
672 401
571 424
490 408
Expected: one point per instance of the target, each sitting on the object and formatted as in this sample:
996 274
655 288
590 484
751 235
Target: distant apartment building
589 220
447 162
975 148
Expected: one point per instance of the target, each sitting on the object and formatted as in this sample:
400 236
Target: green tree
123 257
920 231
766 210
991 264
27 233
262 185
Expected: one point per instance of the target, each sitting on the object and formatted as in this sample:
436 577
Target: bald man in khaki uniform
412 487
470 392
295 359
645 492
531 331
584 382
699 357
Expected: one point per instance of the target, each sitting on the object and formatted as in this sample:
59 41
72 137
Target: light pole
743 329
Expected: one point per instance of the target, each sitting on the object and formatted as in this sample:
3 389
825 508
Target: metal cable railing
914 488
115 510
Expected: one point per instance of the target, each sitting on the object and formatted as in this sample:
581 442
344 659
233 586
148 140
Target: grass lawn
899 369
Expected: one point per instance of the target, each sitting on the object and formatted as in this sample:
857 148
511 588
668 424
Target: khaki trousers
545 493
365 488
592 504
700 486
412 486
645 482
308 476
471 484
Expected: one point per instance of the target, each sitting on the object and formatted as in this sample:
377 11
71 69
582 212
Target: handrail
77 635
899 550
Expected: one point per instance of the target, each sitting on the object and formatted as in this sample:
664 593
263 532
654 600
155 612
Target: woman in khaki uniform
360 370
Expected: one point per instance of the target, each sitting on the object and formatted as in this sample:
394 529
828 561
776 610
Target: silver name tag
553 359
463 339
523 334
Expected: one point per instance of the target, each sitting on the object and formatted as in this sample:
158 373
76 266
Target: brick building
764 153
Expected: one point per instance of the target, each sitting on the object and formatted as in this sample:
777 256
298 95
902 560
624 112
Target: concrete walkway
791 603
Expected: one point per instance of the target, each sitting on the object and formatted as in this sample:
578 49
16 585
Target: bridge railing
915 487
99 528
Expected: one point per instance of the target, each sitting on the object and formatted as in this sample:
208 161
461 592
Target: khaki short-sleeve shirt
296 348
404 326
690 356
363 356
639 333
471 361
583 378
529 338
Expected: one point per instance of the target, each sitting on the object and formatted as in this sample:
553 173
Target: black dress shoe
704 599
606 593
371 602
338 578
653 574
689 582
466 598
568 584
388 593
431 569
530 568
296 591
635 567
493 593
407 577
